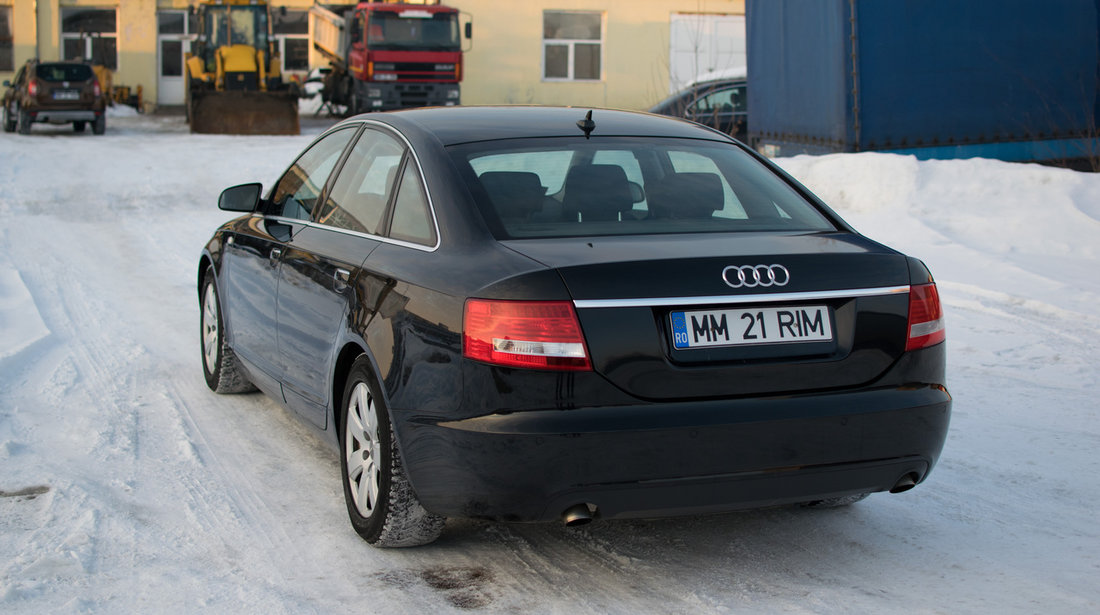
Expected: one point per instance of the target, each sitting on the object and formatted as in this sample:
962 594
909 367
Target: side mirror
637 195
469 29
240 198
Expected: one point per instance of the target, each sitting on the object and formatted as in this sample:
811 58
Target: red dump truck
389 55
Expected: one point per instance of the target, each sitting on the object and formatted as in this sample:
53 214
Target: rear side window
63 72
412 219
575 187
358 199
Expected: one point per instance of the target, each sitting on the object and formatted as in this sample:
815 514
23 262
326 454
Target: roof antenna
587 125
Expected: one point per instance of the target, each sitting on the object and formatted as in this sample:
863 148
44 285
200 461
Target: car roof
453 125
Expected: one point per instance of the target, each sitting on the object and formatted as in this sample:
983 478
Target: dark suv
54 92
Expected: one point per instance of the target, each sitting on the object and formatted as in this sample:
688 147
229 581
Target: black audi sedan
536 314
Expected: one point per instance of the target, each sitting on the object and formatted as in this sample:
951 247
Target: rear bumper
67 115
657 460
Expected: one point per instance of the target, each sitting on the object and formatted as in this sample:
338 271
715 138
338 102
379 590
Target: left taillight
32 87
926 327
530 334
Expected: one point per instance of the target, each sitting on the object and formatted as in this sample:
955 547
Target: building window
7 60
90 34
572 45
291 29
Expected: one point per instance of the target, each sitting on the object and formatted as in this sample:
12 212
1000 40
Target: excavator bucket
243 112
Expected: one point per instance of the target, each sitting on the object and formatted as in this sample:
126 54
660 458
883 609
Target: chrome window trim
740 299
334 229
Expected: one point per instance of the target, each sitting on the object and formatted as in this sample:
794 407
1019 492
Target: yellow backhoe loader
234 81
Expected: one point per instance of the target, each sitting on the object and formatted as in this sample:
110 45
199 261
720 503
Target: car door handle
340 279
274 255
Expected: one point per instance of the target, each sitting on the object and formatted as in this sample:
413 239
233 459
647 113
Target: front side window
728 100
90 34
572 46
574 187
297 192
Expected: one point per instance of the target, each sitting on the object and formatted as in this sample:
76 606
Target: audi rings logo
753 276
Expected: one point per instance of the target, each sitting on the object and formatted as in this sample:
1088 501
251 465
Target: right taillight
531 334
926 326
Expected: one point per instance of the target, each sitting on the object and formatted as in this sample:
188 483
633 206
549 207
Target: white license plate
751 325
66 95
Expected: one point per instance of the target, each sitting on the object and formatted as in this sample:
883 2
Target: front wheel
381 503
220 366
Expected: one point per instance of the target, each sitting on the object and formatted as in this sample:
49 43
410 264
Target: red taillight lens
926 326
95 88
531 334
32 87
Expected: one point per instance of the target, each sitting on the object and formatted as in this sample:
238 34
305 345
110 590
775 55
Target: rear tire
79 126
24 122
9 121
381 503
100 125
220 365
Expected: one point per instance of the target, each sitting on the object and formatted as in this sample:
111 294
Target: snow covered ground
127 486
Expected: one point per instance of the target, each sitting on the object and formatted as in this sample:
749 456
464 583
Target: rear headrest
514 194
685 195
598 192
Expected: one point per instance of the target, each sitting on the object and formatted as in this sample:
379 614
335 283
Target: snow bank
20 323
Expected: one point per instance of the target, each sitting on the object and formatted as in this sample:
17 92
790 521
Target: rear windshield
574 187
63 72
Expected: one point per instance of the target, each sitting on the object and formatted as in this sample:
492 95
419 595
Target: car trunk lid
715 315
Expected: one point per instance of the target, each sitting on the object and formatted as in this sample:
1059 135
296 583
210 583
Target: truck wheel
78 126
381 503
9 121
24 122
100 125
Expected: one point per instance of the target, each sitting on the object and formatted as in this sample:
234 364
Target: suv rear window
573 187
63 72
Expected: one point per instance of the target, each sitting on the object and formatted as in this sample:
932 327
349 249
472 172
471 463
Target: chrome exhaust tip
905 483
578 514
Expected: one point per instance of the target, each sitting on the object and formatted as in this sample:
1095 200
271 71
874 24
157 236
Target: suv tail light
32 87
926 326
531 334
96 89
